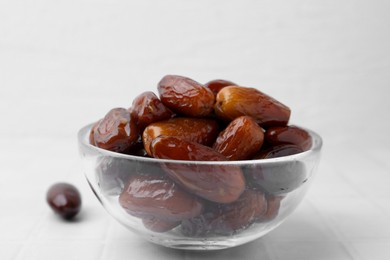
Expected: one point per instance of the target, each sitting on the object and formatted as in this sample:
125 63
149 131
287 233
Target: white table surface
64 64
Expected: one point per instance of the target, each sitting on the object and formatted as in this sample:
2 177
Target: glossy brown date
225 219
117 131
64 199
240 140
217 84
288 135
185 96
203 131
218 183
147 109
156 196
235 101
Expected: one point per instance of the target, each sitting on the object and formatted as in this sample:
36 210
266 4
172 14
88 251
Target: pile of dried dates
217 121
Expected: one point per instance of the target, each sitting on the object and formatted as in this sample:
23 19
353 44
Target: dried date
240 140
156 196
219 182
186 96
235 101
117 131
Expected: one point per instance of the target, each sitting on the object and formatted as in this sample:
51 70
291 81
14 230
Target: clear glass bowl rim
83 139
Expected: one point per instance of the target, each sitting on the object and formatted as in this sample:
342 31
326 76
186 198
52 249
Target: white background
64 64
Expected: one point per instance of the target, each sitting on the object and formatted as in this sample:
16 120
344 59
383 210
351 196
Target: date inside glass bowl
199 167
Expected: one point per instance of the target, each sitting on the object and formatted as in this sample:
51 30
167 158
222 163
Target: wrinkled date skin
156 196
225 219
64 199
278 151
203 131
185 96
158 225
117 131
217 84
218 183
147 109
288 135
235 101
240 140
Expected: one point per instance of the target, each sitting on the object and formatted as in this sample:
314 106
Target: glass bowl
274 189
